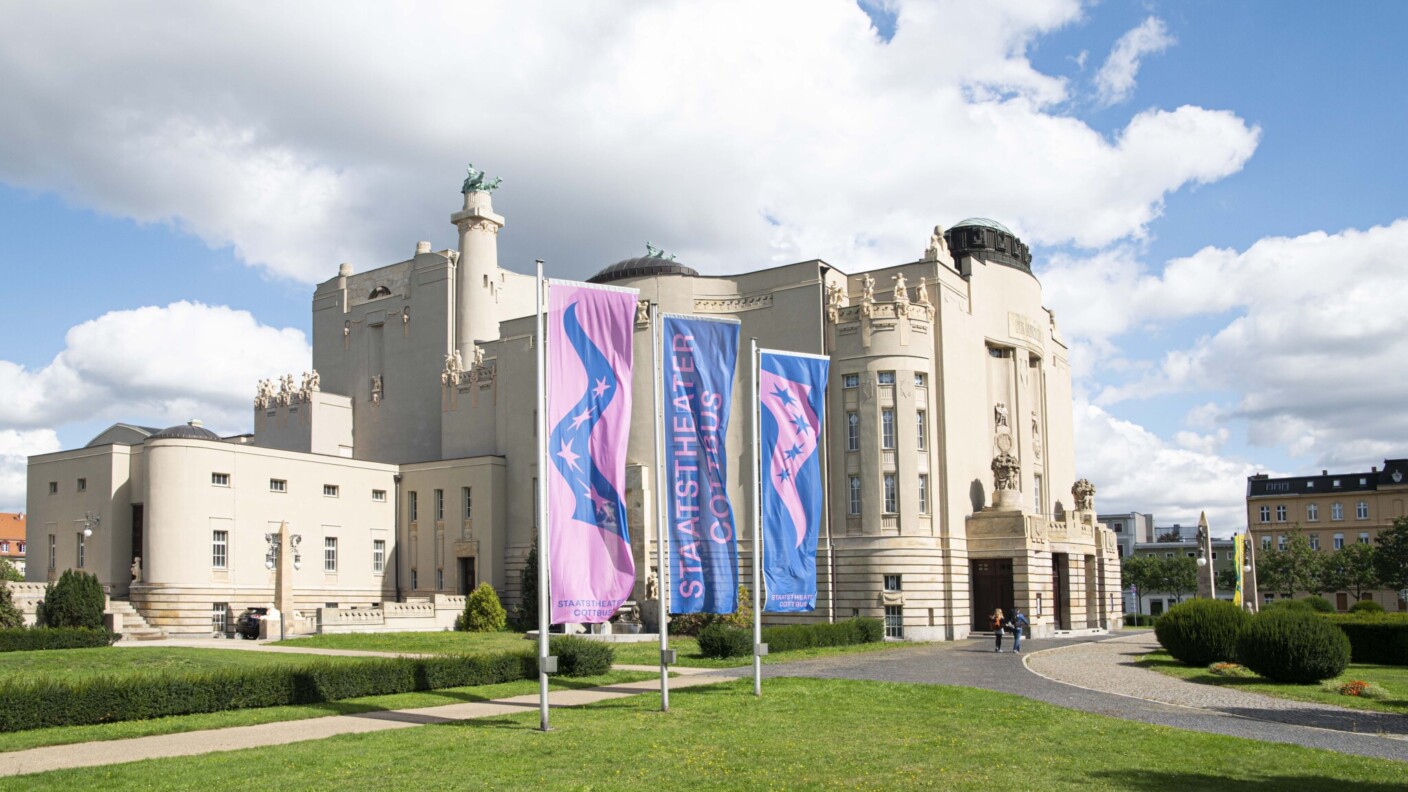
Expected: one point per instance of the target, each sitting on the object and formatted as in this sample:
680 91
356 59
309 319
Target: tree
1391 556
1296 568
1226 580
1142 573
1351 568
9 572
1178 576
75 601
10 616
527 612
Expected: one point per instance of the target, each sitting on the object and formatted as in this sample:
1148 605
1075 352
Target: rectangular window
854 486
1339 541
887 428
852 431
892 583
53 553
1315 541
1280 514
850 380
1265 543
894 621
330 554
278 485
921 380
53 488
1312 513
415 579
1266 514
219 549
80 550
923 493
891 502
1281 542
1336 511
220 479
468 498
83 485
4 547
1361 510
1214 555
412 506
220 617
439 504
330 490
886 378
378 556
439 579
921 423
379 496
1364 537
1036 493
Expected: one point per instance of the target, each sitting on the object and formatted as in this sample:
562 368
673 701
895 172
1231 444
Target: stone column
476 279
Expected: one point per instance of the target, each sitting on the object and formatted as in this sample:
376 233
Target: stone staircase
134 627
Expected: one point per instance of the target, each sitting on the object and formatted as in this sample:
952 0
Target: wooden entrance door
992 589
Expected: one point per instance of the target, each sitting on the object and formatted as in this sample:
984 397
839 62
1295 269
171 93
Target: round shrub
76 600
580 657
1319 604
1366 606
482 611
720 640
1287 646
1201 631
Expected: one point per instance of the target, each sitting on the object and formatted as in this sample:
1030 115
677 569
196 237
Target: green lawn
1392 678
65 735
75 664
442 642
802 734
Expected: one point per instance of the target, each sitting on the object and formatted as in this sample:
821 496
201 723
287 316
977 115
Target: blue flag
791 401
700 356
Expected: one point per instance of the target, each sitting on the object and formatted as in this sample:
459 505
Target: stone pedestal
1007 500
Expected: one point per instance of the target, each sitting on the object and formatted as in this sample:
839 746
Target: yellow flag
1239 550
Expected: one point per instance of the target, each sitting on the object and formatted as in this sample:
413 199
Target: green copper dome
984 222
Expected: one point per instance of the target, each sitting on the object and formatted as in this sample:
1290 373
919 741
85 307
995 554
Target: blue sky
1211 190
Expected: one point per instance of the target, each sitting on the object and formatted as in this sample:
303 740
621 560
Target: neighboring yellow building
1332 510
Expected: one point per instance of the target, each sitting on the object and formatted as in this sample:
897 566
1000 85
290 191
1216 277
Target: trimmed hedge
1288 605
1139 620
1375 638
1286 646
580 657
37 638
1366 606
1318 604
1201 631
35 704
719 640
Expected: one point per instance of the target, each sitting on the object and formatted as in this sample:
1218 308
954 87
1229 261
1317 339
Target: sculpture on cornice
921 292
476 181
454 369
1084 493
286 389
642 312
309 387
654 252
901 295
263 394
478 356
999 415
1006 471
835 300
867 288
937 245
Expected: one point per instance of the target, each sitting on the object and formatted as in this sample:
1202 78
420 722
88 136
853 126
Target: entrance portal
466 575
992 589
1061 582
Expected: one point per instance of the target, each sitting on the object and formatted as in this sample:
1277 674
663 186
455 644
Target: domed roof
640 267
984 222
186 431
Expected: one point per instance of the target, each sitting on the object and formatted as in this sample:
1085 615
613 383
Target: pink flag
590 341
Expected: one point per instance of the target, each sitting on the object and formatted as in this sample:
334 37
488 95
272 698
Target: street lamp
90 521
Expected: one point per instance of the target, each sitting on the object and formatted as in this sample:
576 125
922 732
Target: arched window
380 291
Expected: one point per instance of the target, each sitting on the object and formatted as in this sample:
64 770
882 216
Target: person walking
1019 624
998 623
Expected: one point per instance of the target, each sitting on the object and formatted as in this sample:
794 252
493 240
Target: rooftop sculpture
477 181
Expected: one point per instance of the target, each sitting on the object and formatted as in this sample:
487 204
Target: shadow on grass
1160 781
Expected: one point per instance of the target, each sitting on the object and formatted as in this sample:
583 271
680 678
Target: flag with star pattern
791 402
590 344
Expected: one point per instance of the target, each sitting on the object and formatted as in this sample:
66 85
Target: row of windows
891 497
887 429
1312 512
281 485
921 380
80 549
220 552
466 503
81 485
1314 541
5 547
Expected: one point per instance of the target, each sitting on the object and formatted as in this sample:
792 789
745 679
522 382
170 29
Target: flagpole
757 527
662 520
542 508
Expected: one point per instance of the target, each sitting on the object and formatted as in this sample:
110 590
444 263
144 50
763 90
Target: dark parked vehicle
247 625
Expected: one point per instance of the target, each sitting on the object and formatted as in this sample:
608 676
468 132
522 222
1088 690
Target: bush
33 704
1201 631
75 601
1375 638
580 657
805 636
1230 670
1366 606
1288 605
1318 604
721 640
1139 620
1356 687
10 616
32 640
694 623
482 611
1293 647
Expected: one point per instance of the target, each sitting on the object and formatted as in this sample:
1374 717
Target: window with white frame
923 493
892 583
1363 537
467 496
220 617
1280 513
850 380
53 553
379 496
1036 493
219 549
278 485
1361 510
1281 542
80 550
220 479
1336 511
852 431
330 490
1315 541
921 380
891 500
854 501
412 506
1265 543
1312 513
330 554
1266 514
1339 541
886 378
4 546
921 424
378 556
894 621
887 428
439 504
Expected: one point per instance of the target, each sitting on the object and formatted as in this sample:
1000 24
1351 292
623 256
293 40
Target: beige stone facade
949 456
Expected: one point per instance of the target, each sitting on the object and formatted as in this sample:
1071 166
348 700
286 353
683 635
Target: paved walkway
1103 681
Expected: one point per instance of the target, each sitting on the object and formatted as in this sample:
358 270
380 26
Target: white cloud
303 135
15 448
1115 81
